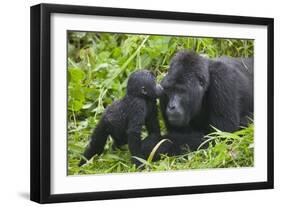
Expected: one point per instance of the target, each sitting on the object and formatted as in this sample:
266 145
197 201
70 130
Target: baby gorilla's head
142 83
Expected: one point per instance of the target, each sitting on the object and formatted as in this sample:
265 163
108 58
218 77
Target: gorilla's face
184 87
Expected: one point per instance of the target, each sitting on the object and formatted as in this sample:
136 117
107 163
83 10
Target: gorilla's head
142 83
184 87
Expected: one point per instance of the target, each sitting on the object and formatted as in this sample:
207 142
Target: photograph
133 103
152 102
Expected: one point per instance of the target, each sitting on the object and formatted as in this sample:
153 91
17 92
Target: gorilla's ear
143 90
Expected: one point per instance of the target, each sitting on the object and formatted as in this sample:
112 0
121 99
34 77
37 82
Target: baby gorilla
123 120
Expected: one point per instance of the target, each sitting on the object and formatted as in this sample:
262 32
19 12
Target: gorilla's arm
179 143
189 140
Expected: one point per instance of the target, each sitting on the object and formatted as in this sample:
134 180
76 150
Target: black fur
124 119
200 93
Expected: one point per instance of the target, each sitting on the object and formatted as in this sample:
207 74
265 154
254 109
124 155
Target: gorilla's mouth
176 120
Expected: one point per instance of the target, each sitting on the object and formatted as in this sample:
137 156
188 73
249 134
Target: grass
98 67
224 150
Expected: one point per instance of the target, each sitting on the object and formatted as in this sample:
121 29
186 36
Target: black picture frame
41 96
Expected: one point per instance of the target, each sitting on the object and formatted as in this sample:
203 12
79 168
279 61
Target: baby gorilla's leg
118 145
97 142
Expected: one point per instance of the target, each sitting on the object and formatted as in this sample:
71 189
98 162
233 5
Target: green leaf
76 74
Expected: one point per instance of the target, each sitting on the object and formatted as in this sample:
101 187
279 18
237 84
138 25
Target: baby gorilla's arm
135 123
152 123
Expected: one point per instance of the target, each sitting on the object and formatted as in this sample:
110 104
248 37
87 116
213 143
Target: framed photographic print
132 103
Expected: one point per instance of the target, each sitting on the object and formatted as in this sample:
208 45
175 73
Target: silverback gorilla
200 93
124 119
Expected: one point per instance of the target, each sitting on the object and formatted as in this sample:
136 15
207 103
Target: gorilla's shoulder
219 66
239 63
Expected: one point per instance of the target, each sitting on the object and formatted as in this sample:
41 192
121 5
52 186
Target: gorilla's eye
143 90
201 82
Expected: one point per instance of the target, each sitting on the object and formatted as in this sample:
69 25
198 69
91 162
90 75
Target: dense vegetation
98 67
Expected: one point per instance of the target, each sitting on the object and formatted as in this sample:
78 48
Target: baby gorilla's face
142 83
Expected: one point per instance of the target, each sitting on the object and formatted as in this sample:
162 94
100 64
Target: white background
14 86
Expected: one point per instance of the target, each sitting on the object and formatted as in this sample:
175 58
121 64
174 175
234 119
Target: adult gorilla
200 93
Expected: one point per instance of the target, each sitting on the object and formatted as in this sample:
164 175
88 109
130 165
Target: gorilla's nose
171 107
159 90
